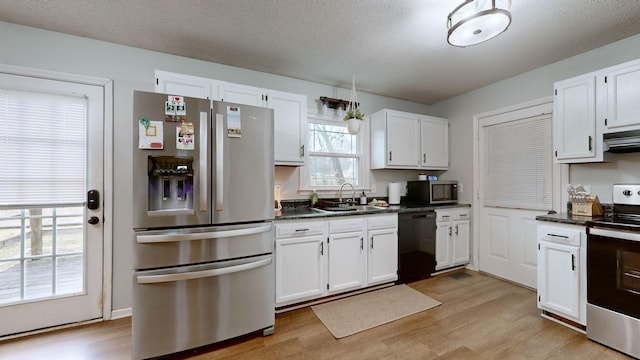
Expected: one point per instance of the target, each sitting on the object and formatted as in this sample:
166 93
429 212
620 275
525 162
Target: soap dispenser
363 198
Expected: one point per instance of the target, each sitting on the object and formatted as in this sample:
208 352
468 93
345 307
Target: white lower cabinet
300 261
452 237
382 259
317 258
347 255
562 271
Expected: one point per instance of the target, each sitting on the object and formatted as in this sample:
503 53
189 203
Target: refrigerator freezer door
243 170
176 309
176 247
171 172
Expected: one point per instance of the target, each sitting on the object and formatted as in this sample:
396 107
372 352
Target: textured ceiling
394 48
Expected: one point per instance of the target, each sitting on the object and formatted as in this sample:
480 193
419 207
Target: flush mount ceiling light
476 21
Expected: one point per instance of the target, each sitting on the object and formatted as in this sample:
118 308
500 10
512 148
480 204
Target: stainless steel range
613 274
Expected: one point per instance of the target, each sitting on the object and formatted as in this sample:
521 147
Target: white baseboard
120 313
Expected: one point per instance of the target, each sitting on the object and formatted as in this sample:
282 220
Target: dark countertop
308 213
567 218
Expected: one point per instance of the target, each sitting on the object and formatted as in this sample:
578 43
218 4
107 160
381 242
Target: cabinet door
382 260
300 269
443 245
185 85
623 96
460 242
403 139
346 261
558 278
574 120
434 143
241 94
289 112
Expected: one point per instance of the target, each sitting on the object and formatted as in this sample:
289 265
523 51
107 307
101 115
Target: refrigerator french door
203 222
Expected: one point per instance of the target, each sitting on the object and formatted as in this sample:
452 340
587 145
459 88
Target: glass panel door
51 138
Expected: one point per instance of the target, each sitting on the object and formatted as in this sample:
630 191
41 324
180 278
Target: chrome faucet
353 194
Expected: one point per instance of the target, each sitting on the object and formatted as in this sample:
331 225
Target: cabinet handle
424 158
590 141
302 151
322 248
573 262
372 242
362 243
300 230
390 155
450 232
456 229
560 236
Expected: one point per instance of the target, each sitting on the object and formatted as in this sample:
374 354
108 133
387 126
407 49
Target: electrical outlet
460 188
373 188
276 192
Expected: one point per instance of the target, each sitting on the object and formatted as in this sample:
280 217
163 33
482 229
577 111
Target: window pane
333 171
331 138
10 274
69 275
39 278
10 234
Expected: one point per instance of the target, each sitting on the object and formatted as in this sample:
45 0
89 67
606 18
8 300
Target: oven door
613 289
613 270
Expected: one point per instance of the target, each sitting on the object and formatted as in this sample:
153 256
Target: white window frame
363 155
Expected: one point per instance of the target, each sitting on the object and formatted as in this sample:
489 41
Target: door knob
93 220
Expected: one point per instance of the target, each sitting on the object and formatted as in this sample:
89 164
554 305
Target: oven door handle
623 235
154 279
152 239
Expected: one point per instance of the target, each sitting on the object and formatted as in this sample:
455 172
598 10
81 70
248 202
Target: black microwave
432 192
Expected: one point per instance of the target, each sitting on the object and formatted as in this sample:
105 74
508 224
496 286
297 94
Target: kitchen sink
347 208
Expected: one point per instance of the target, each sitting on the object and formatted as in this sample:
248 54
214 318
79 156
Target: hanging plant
353 115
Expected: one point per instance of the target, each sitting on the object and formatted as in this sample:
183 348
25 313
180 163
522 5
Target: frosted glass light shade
476 21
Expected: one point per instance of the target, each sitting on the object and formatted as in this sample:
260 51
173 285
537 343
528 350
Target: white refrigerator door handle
151 239
219 162
154 279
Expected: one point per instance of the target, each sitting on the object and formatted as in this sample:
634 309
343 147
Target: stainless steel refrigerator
202 203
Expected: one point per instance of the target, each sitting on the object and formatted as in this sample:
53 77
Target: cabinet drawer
449 214
382 222
560 235
346 225
300 229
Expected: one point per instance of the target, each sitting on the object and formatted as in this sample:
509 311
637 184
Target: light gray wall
529 86
133 69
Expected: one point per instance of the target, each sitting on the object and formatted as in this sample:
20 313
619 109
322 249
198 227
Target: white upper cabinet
577 135
401 140
241 94
434 142
185 85
290 113
623 97
290 110
590 105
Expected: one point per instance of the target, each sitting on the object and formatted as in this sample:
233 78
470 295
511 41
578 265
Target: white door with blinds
516 183
51 146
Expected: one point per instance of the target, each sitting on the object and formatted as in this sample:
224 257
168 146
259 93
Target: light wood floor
480 318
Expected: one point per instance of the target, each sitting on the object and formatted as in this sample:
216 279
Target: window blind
518 170
42 147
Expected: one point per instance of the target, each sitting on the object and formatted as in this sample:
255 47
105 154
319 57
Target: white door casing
94 301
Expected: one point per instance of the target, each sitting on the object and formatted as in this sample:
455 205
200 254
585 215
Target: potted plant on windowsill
353 117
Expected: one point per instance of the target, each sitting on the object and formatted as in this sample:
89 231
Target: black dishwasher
416 246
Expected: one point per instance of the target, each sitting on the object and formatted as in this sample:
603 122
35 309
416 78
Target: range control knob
627 193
